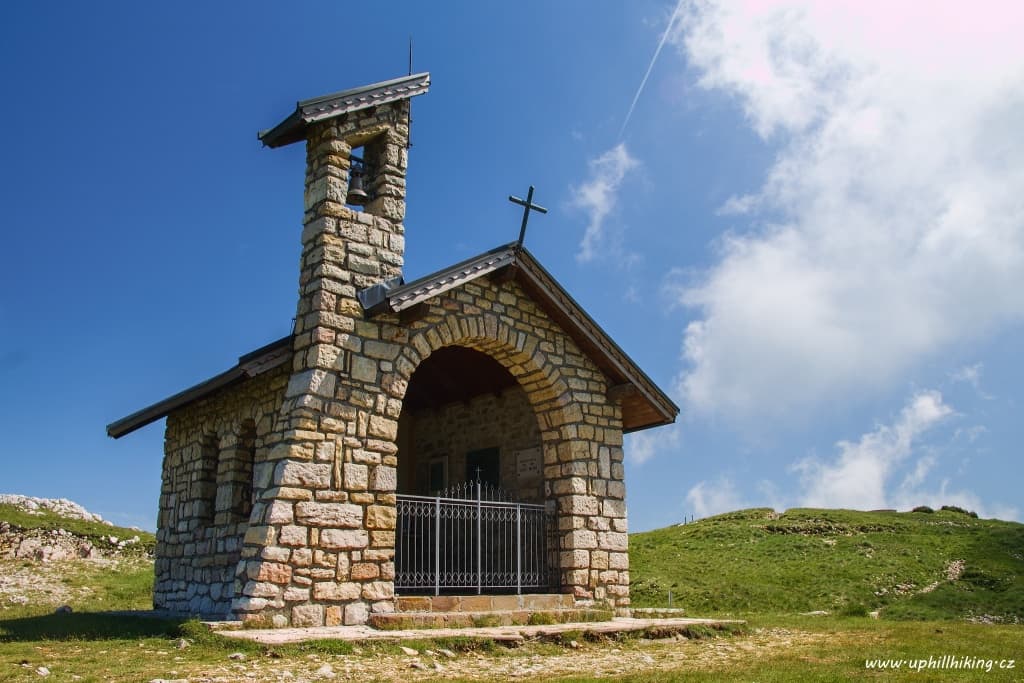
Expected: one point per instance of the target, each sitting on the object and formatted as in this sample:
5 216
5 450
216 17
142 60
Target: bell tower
332 427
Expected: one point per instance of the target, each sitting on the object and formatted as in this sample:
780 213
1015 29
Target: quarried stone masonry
280 477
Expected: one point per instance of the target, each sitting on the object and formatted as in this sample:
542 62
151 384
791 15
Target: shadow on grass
87 626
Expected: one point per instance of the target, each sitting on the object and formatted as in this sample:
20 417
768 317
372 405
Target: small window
484 465
204 481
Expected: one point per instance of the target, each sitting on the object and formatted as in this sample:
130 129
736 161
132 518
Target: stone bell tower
322 551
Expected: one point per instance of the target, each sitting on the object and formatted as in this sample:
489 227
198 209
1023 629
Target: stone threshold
510 635
483 603
490 617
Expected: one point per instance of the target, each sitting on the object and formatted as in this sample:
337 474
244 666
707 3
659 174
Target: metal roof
293 128
250 365
644 404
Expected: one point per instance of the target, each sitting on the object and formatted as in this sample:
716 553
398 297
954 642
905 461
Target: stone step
483 603
477 619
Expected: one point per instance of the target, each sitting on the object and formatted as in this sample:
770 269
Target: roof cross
527 205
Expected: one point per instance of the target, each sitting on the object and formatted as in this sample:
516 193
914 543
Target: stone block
275 554
333 615
383 478
381 350
613 508
574 559
344 539
295 594
307 615
383 427
303 474
280 512
581 505
337 515
577 577
356 476
364 369
248 604
618 560
260 535
382 539
316 382
288 493
272 572
379 590
613 540
336 591
356 613
363 571
294 536
381 517
256 589
579 539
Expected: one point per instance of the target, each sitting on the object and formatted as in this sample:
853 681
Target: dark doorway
485 465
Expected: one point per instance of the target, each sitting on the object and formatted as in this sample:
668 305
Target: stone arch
546 390
549 395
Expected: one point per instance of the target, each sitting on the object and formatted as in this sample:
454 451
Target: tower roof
293 128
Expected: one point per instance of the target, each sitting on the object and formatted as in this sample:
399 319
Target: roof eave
293 128
250 365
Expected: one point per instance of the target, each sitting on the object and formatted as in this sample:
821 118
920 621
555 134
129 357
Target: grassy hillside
911 565
96 532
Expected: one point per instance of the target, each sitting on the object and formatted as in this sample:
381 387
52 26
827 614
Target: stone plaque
528 462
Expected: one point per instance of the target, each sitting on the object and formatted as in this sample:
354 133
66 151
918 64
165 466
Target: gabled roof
643 403
250 365
293 128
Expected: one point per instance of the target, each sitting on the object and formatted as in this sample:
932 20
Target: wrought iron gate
473 538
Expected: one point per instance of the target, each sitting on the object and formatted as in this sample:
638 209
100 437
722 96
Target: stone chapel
458 434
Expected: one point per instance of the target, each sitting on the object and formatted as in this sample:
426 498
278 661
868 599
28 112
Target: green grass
841 561
748 564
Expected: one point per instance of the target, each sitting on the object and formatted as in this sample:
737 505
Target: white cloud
859 477
640 447
898 228
971 374
706 499
598 194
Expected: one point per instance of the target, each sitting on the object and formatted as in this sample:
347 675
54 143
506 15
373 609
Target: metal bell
356 192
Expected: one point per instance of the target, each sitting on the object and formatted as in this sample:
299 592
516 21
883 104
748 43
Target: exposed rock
60 506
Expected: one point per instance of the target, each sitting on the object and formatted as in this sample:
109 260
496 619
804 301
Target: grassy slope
751 562
98 533
103 647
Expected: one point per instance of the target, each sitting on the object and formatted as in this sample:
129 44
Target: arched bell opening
466 418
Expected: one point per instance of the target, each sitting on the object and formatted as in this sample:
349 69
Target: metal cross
527 205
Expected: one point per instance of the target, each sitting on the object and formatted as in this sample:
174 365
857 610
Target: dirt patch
531 661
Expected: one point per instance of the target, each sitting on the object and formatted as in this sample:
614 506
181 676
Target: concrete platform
505 634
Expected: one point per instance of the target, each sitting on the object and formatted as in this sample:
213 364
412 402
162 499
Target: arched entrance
471 496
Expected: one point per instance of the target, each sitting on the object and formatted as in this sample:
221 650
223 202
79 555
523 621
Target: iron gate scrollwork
475 537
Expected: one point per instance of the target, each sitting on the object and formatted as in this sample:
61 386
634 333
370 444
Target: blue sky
810 231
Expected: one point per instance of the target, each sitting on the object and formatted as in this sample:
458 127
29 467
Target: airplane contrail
650 66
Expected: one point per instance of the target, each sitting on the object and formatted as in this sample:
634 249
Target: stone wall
505 422
206 493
